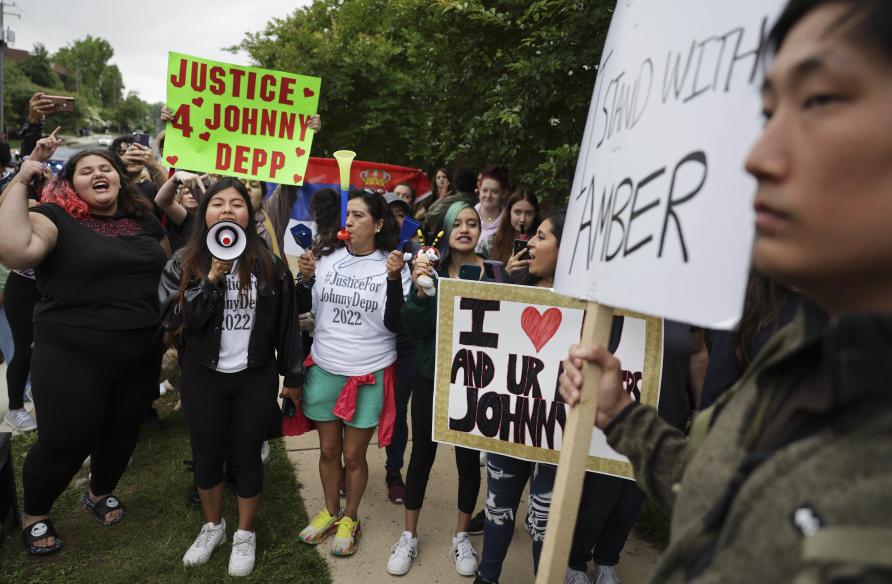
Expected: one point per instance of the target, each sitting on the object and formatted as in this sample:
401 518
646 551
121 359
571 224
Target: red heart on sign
300 152
297 178
198 101
172 160
540 327
308 92
205 136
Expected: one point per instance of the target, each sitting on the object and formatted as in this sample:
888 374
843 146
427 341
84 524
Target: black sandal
40 530
103 507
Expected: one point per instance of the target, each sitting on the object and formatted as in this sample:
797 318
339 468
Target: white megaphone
226 240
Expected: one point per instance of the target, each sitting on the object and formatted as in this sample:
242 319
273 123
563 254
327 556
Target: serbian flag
323 173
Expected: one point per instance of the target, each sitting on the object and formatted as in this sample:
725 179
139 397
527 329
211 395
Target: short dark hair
116 143
871 22
465 180
326 207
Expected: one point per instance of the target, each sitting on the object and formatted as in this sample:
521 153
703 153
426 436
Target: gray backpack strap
866 547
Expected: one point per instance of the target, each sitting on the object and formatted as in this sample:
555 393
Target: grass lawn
148 545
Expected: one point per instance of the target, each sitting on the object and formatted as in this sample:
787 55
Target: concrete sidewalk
382 524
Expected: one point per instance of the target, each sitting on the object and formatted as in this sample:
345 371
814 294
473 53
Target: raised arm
166 197
27 238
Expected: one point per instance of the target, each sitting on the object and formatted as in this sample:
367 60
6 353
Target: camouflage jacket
811 505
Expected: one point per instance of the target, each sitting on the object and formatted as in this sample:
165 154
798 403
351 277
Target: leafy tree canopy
432 82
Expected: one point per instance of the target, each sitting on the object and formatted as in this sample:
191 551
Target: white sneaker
463 554
606 575
208 539
20 420
241 560
576 577
264 452
403 551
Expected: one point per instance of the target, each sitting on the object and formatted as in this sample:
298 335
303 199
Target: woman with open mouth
98 253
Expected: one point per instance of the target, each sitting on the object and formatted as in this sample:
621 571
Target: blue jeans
405 376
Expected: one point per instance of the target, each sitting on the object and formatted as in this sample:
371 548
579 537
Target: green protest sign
239 121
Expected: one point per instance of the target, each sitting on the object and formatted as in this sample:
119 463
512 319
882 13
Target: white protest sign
660 216
499 354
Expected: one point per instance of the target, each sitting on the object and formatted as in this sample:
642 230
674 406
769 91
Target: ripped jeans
506 478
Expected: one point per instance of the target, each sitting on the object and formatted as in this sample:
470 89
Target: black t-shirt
148 190
178 235
675 377
103 273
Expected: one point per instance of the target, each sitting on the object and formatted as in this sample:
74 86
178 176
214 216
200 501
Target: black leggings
19 299
424 452
228 412
91 388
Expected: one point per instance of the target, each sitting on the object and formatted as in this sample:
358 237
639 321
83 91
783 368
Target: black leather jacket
202 317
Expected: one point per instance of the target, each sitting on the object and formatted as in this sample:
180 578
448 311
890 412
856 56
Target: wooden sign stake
574 454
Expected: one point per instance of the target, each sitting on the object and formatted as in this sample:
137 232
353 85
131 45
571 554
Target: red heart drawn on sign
297 178
205 136
172 160
300 152
540 327
198 101
308 92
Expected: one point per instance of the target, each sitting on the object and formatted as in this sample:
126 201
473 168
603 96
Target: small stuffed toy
433 256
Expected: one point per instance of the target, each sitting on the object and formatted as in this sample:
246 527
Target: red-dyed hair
60 192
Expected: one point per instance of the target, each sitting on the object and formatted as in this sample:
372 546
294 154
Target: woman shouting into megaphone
234 323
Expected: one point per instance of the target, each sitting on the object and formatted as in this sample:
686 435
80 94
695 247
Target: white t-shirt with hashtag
349 297
239 314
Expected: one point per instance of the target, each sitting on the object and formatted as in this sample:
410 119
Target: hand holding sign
612 396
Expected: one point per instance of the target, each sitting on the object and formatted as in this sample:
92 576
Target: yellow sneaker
323 525
346 540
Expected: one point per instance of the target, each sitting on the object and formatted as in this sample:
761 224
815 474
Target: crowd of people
765 438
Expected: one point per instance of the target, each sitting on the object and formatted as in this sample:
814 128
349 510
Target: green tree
86 61
39 69
130 114
111 86
427 82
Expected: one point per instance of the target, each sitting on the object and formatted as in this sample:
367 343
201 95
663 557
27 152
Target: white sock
244 533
